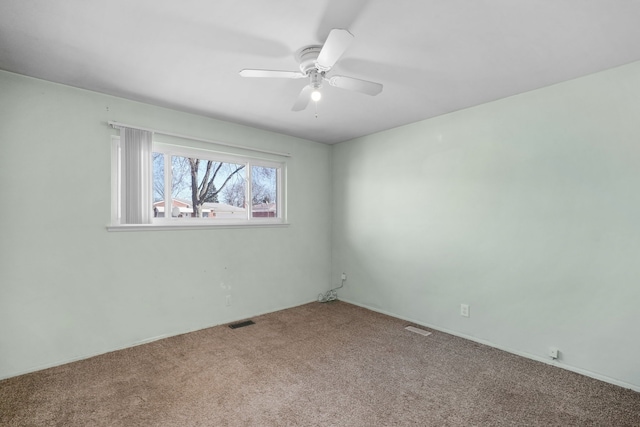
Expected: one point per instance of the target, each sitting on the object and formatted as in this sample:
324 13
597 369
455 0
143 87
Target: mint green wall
70 289
527 209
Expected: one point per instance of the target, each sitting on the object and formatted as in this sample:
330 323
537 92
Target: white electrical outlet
344 276
464 310
553 352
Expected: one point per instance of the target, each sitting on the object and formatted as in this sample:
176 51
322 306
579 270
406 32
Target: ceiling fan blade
303 99
336 44
340 14
272 73
349 83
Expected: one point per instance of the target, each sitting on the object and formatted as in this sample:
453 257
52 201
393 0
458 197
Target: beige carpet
329 364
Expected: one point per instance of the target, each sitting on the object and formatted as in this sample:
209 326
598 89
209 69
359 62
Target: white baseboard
508 350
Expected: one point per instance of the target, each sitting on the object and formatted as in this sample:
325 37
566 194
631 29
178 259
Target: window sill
157 227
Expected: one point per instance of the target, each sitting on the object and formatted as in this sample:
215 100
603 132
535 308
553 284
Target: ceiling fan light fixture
315 62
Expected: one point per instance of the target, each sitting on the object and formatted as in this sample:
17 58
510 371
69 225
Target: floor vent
241 324
418 330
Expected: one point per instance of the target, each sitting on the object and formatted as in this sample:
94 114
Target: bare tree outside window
263 188
235 194
180 176
263 191
208 179
194 182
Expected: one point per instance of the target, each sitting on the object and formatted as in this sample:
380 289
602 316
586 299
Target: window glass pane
199 187
264 182
158 184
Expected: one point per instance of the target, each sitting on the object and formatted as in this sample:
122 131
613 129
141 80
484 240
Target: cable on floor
330 295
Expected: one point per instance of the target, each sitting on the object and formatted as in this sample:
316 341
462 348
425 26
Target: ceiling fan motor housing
307 57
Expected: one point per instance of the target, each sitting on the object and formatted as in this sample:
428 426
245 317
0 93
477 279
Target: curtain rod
118 125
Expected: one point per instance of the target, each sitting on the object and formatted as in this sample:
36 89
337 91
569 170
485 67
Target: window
196 187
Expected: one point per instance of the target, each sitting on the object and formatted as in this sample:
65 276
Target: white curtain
136 191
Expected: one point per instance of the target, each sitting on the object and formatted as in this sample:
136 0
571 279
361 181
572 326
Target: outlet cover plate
464 310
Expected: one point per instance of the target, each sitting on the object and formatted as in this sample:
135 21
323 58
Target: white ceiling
433 56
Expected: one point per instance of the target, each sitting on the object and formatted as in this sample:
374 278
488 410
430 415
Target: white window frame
168 222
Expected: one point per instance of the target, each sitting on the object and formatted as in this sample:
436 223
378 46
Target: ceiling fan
315 62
